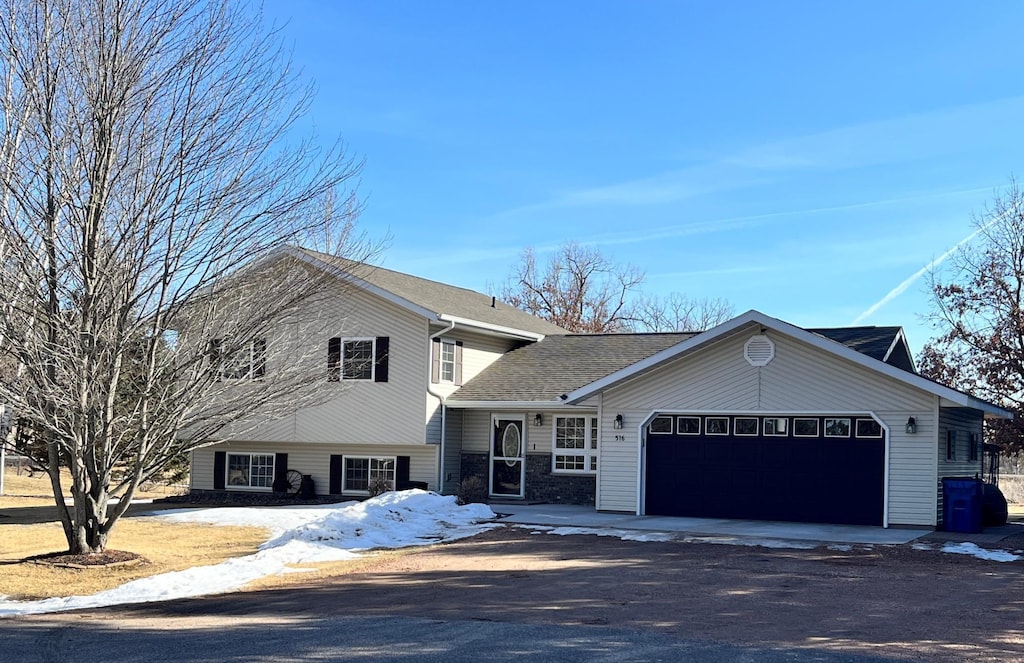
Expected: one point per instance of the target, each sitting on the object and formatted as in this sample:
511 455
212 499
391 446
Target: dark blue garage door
803 469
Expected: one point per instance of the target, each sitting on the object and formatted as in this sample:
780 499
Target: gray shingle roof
559 364
871 341
442 298
545 370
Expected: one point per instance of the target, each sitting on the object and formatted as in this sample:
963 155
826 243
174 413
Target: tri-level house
755 418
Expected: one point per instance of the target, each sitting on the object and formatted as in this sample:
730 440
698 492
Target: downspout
440 399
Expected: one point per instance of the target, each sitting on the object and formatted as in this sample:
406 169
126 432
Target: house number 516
620 438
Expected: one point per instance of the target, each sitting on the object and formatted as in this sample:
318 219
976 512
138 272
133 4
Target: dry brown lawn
164 546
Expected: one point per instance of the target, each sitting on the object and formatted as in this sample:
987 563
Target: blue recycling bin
962 499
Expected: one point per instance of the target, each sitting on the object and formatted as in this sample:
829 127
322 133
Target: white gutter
486 326
440 399
519 405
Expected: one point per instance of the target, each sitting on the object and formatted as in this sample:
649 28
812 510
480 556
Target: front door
508 449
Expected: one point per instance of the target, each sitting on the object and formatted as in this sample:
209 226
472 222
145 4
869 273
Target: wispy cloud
901 139
913 278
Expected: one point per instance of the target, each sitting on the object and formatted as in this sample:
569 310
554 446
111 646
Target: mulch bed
105 559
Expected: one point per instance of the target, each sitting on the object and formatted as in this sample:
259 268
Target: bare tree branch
149 180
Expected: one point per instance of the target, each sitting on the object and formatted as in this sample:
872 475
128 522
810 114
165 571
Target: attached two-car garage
811 468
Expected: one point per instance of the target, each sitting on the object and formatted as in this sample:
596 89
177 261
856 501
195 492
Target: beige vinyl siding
478 352
476 428
801 378
963 421
314 459
361 411
452 451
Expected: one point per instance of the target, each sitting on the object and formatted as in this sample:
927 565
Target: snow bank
980 553
299 535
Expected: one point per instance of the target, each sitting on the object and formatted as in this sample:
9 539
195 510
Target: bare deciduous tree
977 309
582 290
148 177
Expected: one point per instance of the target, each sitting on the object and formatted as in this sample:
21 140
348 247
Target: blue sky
801 158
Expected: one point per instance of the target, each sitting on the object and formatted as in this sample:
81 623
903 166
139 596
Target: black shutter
435 361
383 349
401 472
280 470
259 358
335 480
219 469
334 360
458 363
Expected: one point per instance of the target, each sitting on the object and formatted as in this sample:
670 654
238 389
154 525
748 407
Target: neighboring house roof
820 341
543 371
433 299
887 344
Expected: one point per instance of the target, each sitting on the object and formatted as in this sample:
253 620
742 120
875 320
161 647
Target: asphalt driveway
701 601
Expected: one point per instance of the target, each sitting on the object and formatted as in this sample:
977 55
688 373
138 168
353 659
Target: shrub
378 486
472 489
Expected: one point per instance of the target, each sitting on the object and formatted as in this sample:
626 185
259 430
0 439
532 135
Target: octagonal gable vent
759 350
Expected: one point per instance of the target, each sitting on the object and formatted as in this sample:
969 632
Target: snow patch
625 535
980 553
299 535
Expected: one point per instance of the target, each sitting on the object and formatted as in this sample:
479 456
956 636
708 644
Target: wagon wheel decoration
292 482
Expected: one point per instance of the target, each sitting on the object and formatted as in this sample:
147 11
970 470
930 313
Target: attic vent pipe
493 301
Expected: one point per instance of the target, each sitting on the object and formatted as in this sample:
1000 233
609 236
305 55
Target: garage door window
776 426
837 428
688 425
661 426
869 428
746 425
805 427
575 445
716 425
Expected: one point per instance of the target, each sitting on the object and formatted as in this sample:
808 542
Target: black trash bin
307 488
962 498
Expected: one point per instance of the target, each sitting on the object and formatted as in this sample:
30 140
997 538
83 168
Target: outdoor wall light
911 425
538 419
618 422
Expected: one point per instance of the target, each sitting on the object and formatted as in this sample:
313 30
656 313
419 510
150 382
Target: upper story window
446 361
358 359
247 361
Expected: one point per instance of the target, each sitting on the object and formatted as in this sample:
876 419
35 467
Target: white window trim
373 358
344 472
736 429
441 361
817 426
650 426
849 428
764 425
588 451
707 429
679 428
227 471
250 348
856 431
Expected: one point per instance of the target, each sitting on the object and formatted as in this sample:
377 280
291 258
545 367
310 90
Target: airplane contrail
909 281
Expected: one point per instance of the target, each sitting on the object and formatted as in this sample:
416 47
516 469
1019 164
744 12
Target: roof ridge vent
759 350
